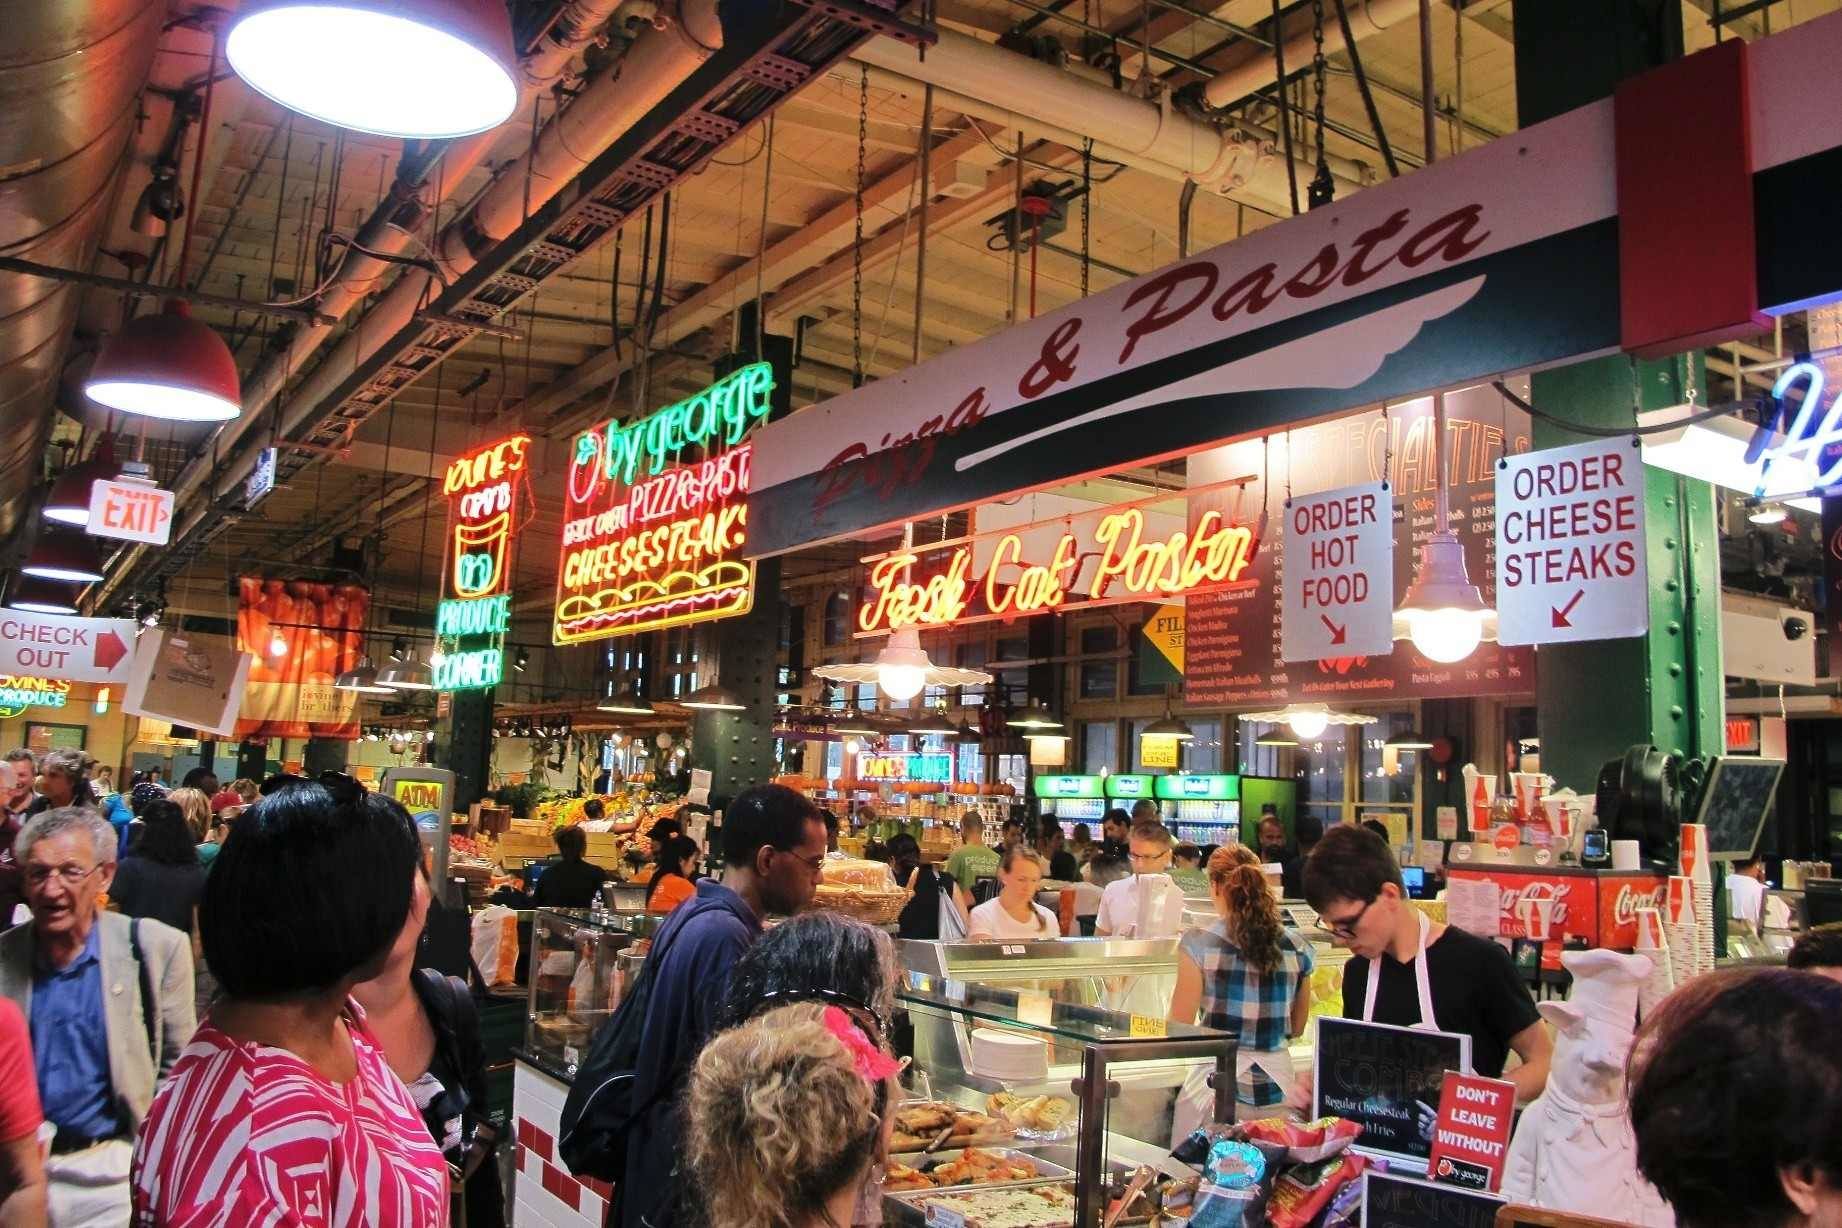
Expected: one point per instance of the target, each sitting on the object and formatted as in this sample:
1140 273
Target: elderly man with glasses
109 1004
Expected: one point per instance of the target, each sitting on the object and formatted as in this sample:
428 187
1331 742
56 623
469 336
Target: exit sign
130 510
1742 733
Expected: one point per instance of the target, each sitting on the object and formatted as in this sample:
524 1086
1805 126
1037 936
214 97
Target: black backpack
599 1114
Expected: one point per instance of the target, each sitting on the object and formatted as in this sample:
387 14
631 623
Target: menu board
1393 1201
1387 1079
1232 651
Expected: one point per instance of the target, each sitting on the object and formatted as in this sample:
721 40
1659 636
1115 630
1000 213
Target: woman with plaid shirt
1246 975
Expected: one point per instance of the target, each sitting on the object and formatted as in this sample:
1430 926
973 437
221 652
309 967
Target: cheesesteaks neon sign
483 490
648 543
1118 558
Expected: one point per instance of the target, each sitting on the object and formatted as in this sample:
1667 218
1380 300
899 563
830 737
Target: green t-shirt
971 862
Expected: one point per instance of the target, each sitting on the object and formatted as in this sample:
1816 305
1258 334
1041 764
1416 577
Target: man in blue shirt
109 1004
773 849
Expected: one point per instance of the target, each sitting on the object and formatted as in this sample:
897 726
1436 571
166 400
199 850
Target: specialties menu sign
651 537
1234 653
1570 544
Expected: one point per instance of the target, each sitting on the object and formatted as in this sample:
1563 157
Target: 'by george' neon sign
649 542
483 490
1112 555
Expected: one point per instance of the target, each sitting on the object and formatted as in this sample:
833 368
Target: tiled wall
544 1194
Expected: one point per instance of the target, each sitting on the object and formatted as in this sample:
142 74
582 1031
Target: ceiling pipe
660 58
985 81
69 81
1249 68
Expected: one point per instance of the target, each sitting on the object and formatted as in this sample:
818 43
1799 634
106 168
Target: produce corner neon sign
649 540
1117 557
19 692
483 489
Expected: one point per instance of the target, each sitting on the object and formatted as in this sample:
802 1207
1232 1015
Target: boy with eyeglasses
1416 973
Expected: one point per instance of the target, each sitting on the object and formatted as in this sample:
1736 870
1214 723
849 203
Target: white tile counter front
544 1194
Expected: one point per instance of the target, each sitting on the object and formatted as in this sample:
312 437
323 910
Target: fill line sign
1570 544
1339 574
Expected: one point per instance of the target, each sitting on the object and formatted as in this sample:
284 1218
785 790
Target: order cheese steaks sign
1471 1137
1570 544
1389 1201
1339 578
1387 1079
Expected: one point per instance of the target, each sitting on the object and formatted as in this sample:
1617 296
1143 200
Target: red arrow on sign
1337 634
109 650
1560 615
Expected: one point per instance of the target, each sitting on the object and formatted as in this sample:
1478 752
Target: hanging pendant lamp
361 679
1169 726
167 365
419 69
62 555
42 596
69 500
714 698
409 674
1443 613
902 668
627 703
1308 721
856 721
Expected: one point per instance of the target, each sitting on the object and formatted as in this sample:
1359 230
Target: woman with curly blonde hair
788 1119
1247 975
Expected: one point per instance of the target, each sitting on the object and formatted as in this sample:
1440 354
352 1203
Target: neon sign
19 692
485 491
1807 458
649 543
1113 554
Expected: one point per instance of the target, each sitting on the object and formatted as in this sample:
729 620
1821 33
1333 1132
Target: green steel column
1665 689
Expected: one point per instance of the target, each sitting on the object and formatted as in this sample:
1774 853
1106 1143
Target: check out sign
131 511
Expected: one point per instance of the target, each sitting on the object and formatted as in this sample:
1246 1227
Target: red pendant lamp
167 365
69 501
60 555
42 596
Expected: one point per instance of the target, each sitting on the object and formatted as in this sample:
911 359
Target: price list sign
1234 651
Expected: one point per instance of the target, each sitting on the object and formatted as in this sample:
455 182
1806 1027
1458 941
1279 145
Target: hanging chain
1087 196
863 141
1322 187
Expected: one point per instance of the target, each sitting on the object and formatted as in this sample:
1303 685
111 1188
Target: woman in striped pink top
282 1111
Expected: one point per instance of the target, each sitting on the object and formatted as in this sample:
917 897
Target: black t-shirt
168 893
1475 989
569 884
1062 867
921 915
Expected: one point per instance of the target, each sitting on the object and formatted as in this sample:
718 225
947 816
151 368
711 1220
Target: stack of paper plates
1010 1056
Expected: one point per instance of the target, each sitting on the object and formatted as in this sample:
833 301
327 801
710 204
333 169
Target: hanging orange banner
303 634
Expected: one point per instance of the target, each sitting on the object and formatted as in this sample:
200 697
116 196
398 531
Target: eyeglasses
815 864
1345 929
1147 856
38 876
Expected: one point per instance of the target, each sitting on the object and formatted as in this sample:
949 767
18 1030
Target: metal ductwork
70 81
1050 103
1250 67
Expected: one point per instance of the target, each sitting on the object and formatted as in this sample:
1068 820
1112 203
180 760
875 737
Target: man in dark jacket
773 849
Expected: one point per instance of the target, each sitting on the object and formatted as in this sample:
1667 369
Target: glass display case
582 963
1042 1108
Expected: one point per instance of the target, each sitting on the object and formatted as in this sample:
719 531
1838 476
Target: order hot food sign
654 518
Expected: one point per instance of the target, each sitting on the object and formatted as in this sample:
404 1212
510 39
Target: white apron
1422 982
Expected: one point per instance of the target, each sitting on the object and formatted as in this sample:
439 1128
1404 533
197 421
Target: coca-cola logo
1512 898
1628 900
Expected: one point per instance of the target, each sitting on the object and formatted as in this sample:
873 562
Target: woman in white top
1014 913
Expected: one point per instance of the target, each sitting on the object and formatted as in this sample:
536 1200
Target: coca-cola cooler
1598 906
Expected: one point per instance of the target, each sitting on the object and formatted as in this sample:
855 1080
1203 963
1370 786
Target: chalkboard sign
1734 807
1387 1079
1389 1201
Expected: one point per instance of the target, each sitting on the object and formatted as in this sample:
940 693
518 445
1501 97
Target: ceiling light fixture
1411 740
69 500
60 555
42 596
278 643
1719 450
520 659
1275 738
1443 613
1309 721
361 679
408 674
714 698
419 69
902 668
626 702
1169 726
1036 722
1765 514
167 365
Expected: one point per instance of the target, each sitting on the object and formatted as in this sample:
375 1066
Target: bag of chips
1306 1142
1303 1190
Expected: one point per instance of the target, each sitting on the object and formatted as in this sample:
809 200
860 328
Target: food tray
1044 1169
906 1208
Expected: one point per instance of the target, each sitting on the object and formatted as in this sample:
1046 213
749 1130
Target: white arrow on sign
1570 544
69 649
1339 574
